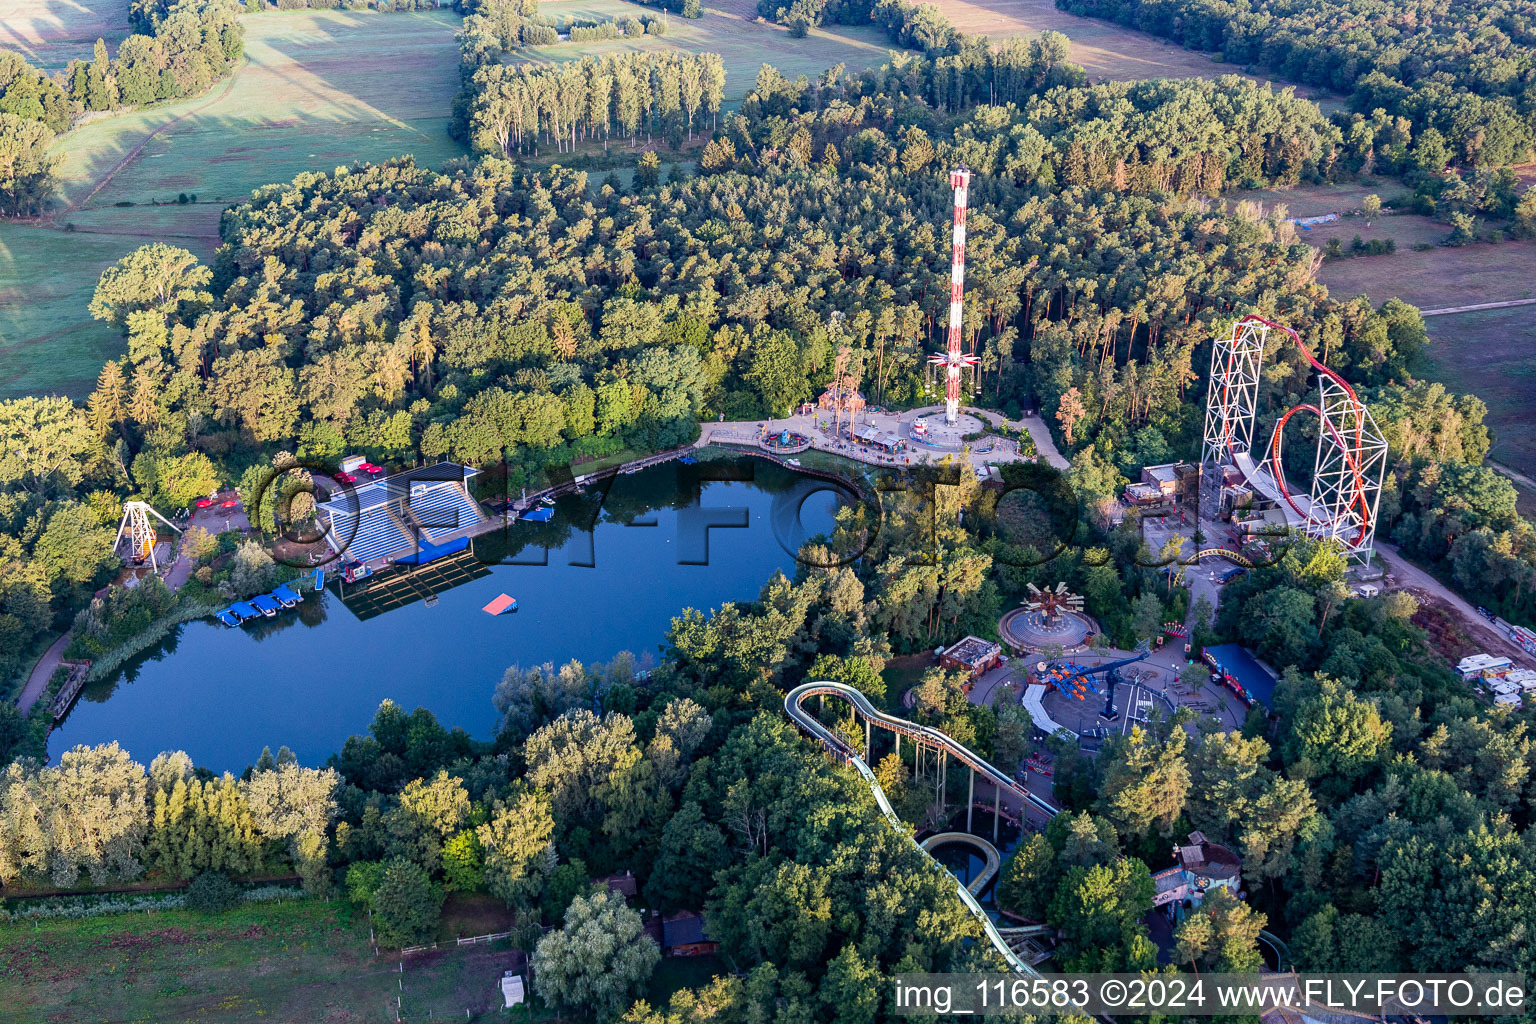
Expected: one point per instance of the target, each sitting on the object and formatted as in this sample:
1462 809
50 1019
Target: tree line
99 813
1464 68
1024 119
509 105
176 49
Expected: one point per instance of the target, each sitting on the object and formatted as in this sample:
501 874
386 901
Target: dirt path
37 682
1474 309
1410 575
1514 474
133 153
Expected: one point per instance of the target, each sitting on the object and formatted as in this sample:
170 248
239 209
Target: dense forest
509 106
1383 826
509 316
1465 69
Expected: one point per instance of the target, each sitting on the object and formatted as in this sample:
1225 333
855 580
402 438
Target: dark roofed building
973 655
625 884
1202 866
683 935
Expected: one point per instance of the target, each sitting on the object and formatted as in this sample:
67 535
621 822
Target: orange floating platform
501 604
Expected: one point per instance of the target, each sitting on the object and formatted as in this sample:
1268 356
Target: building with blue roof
394 516
1236 668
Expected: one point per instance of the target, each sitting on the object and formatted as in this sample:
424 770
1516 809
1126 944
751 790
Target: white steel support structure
1351 452
952 359
1234 394
1347 473
140 532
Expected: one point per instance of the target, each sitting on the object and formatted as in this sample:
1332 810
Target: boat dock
267 605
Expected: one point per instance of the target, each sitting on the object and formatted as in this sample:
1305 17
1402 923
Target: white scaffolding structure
1234 394
1347 471
140 532
1351 456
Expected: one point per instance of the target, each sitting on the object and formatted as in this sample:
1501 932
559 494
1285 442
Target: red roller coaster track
1350 452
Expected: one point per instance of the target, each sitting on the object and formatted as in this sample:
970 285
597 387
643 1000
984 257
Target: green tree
1144 783
1028 879
1335 734
26 168
777 372
850 992
463 863
692 849
157 277
406 905
185 478
519 851
44 442
565 883
598 959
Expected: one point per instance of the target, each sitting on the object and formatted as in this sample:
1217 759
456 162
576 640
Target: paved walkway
42 672
818 427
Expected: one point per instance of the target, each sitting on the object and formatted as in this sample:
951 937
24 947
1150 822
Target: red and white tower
952 359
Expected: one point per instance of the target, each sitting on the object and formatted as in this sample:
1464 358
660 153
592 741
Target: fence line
471 940
476 939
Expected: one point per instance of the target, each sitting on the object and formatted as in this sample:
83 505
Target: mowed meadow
729 29
51 33
1489 353
319 89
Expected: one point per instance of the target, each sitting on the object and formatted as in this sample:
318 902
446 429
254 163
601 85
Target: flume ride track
1351 453
873 716
835 744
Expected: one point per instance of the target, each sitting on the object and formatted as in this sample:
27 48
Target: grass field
745 45
300 961
1492 354
51 33
1436 278
48 342
1105 50
319 89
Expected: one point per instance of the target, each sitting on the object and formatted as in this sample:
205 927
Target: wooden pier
391 588
78 670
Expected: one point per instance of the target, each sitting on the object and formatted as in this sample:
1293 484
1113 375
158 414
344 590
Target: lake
608 574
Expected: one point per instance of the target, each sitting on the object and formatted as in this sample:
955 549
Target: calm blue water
311 678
